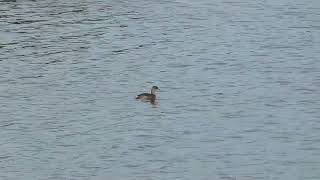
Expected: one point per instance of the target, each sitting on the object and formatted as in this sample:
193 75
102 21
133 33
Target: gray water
239 91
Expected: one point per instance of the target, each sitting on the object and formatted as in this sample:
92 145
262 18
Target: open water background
239 98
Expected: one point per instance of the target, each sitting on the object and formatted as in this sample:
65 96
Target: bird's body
148 96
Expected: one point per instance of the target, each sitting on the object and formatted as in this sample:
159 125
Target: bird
149 96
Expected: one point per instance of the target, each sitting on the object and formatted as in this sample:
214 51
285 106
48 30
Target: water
239 89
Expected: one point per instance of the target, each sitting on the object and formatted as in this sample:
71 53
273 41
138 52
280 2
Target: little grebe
148 96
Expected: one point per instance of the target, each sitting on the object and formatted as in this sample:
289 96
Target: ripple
239 90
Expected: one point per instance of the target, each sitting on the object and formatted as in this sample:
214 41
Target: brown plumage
148 96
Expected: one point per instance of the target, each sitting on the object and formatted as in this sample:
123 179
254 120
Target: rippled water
239 98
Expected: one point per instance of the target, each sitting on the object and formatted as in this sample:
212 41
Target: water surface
239 80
